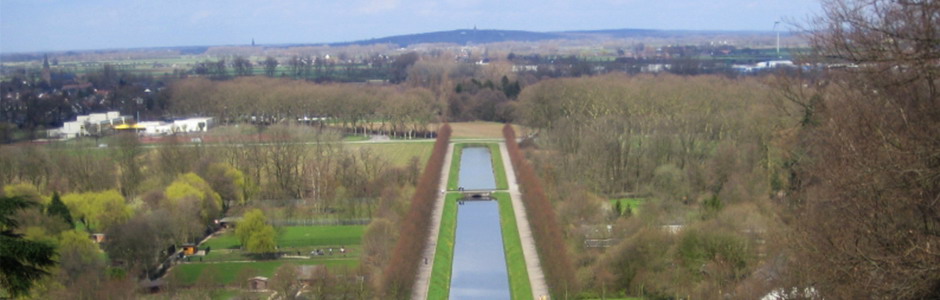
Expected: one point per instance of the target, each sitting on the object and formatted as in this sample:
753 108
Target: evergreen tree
22 261
58 208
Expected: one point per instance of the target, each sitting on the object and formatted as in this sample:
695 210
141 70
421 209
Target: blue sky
55 25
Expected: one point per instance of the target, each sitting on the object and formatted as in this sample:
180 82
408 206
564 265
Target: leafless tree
867 217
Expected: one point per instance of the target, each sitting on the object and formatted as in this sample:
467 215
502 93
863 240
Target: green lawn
519 285
632 203
444 254
337 235
295 236
398 154
454 178
355 138
498 168
226 272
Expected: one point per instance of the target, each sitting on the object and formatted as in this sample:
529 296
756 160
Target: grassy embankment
454 177
442 269
519 285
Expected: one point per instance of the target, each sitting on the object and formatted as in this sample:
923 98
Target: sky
58 25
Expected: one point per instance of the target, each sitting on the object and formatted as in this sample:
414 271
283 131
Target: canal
479 263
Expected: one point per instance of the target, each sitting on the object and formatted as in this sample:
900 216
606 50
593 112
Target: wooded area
819 181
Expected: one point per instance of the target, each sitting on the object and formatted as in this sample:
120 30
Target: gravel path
536 277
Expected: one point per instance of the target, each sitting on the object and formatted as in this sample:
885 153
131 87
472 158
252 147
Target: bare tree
867 207
242 66
270 66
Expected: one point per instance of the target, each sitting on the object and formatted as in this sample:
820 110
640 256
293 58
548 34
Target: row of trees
546 230
387 109
401 270
864 208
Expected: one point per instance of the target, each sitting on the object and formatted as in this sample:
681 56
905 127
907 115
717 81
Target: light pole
778 37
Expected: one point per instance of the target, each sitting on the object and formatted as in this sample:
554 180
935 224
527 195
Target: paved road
423 280
536 276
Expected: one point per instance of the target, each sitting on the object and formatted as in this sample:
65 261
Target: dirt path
423 280
536 277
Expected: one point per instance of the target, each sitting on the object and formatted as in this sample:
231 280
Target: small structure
88 124
189 249
97 237
228 222
476 196
258 283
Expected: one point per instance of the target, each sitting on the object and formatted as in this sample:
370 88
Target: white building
192 125
178 126
84 123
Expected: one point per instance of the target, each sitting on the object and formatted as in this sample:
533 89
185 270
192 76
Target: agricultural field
480 130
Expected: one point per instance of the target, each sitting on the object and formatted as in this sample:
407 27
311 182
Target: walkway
423 281
536 277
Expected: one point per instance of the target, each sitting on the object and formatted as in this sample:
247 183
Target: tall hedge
553 252
402 268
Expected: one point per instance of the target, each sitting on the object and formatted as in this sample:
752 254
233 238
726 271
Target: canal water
479 267
476 169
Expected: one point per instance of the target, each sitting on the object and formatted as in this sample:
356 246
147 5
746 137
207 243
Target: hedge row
553 253
402 268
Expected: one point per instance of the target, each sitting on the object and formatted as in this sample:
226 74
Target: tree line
401 270
552 251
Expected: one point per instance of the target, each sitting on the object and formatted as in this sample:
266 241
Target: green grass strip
454 178
444 254
632 203
226 273
519 285
498 169
296 236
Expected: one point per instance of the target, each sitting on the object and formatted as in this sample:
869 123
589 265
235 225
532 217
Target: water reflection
479 270
476 169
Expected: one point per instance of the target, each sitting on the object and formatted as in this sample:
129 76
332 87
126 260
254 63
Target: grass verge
442 269
296 236
226 273
499 170
519 285
454 178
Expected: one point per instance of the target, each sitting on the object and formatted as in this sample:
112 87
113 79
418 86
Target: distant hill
475 36
460 36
